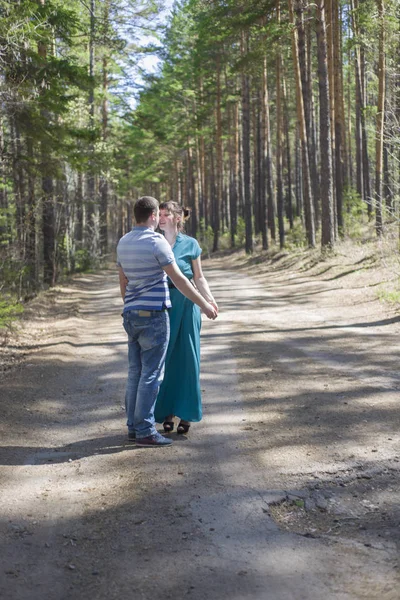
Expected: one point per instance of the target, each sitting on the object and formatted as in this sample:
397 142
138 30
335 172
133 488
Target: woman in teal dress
180 394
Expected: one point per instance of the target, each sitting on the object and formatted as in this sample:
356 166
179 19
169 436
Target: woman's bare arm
202 283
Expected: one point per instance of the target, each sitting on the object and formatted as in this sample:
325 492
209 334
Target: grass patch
392 297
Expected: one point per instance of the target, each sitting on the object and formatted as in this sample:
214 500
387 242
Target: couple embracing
162 319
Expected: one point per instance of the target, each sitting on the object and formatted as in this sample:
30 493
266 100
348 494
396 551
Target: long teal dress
180 393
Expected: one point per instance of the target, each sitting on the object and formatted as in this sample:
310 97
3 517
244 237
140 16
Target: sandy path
295 388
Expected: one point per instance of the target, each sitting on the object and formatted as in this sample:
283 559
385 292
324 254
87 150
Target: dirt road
288 489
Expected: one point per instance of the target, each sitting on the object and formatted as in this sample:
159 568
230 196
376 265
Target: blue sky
150 62
128 85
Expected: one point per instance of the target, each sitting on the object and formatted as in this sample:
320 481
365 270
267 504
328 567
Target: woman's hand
210 311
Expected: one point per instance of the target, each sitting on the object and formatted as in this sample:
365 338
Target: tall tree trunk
299 176
233 168
338 116
20 189
306 88
103 185
92 205
31 258
387 187
312 128
380 119
327 222
246 148
202 180
213 198
358 132
219 156
269 211
363 169
197 183
365 152
48 214
308 201
191 188
350 168
4 222
255 113
329 8
289 207
279 178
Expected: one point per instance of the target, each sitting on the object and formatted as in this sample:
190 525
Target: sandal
183 427
168 426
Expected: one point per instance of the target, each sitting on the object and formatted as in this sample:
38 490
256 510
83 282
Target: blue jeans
148 338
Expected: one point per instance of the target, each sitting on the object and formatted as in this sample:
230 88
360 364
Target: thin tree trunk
269 209
286 126
263 168
387 186
308 202
327 222
92 205
279 178
256 114
233 179
48 214
246 148
299 176
349 123
219 157
213 197
365 152
338 116
380 119
311 131
363 168
202 179
31 259
4 223
103 185
300 6
19 189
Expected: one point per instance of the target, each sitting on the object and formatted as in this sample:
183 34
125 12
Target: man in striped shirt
144 260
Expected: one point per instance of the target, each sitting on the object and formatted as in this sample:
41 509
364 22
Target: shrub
296 237
9 310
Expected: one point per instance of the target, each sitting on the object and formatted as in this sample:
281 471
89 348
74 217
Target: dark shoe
131 435
183 427
153 440
168 426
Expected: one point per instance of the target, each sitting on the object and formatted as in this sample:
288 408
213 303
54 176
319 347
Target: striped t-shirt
142 253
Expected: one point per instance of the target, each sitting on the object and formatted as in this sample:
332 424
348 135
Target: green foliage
225 240
296 237
13 271
206 237
83 261
240 236
355 211
10 309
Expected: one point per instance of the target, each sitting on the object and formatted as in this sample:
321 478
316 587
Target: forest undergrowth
376 260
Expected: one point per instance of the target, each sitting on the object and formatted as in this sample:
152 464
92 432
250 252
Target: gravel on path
286 490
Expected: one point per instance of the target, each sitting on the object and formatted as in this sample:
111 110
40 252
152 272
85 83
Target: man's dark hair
144 207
